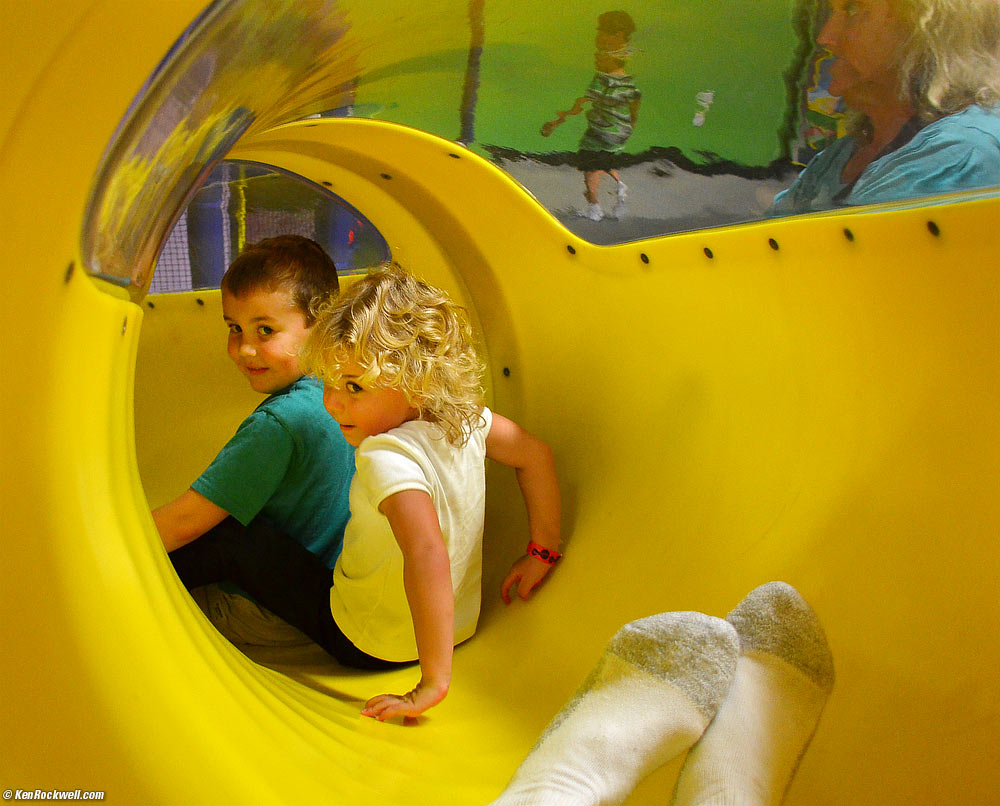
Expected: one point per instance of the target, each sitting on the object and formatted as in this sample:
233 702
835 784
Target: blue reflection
244 202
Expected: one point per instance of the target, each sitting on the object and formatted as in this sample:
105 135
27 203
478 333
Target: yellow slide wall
802 405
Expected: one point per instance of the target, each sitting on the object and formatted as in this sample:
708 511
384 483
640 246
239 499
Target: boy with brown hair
288 462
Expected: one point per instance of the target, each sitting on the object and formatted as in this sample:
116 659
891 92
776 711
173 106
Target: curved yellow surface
801 405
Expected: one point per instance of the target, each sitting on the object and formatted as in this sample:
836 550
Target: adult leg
751 751
648 699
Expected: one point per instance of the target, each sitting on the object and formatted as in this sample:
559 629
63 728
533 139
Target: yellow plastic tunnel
810 399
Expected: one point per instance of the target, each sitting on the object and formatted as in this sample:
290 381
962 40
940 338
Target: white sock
750 752
594 211
648 699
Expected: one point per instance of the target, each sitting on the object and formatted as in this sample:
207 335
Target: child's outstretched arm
549 127
427 581
532 460
186 518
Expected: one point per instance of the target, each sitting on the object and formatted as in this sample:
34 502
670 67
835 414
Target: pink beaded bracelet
539 552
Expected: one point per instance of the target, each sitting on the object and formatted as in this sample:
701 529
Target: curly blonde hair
949 60
952 58
406 335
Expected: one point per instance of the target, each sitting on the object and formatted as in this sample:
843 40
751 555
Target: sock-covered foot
594 212
648 699
750 752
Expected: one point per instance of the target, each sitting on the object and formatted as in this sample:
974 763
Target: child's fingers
386 706
531 578
526 587
526 573
512 579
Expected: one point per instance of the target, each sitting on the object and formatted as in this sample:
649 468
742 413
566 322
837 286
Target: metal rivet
848 234
150 304
386 176
506 372
200 301
455 156
570 249
328 184
124 325
708 253
773 244
644 257
69 271
934 229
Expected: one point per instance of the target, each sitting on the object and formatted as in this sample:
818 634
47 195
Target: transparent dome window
667 118
241 203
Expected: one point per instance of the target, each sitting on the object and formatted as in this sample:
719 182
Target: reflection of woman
922 78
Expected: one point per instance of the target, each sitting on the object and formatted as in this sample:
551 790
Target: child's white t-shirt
367 599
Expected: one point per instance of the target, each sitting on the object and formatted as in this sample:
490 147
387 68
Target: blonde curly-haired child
403 381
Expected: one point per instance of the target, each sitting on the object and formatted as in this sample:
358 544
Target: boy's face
266 331
607 58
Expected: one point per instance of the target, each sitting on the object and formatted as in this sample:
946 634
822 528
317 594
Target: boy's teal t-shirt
288 461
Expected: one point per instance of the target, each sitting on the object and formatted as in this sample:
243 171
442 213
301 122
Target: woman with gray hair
922 81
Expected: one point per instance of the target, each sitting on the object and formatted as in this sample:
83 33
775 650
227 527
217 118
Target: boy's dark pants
279 573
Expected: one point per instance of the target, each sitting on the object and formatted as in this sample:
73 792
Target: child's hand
525 573
386 706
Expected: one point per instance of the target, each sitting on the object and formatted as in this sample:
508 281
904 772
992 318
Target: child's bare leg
619 209
591 182
648 699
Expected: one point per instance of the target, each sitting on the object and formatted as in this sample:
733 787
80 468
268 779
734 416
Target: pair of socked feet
743 694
